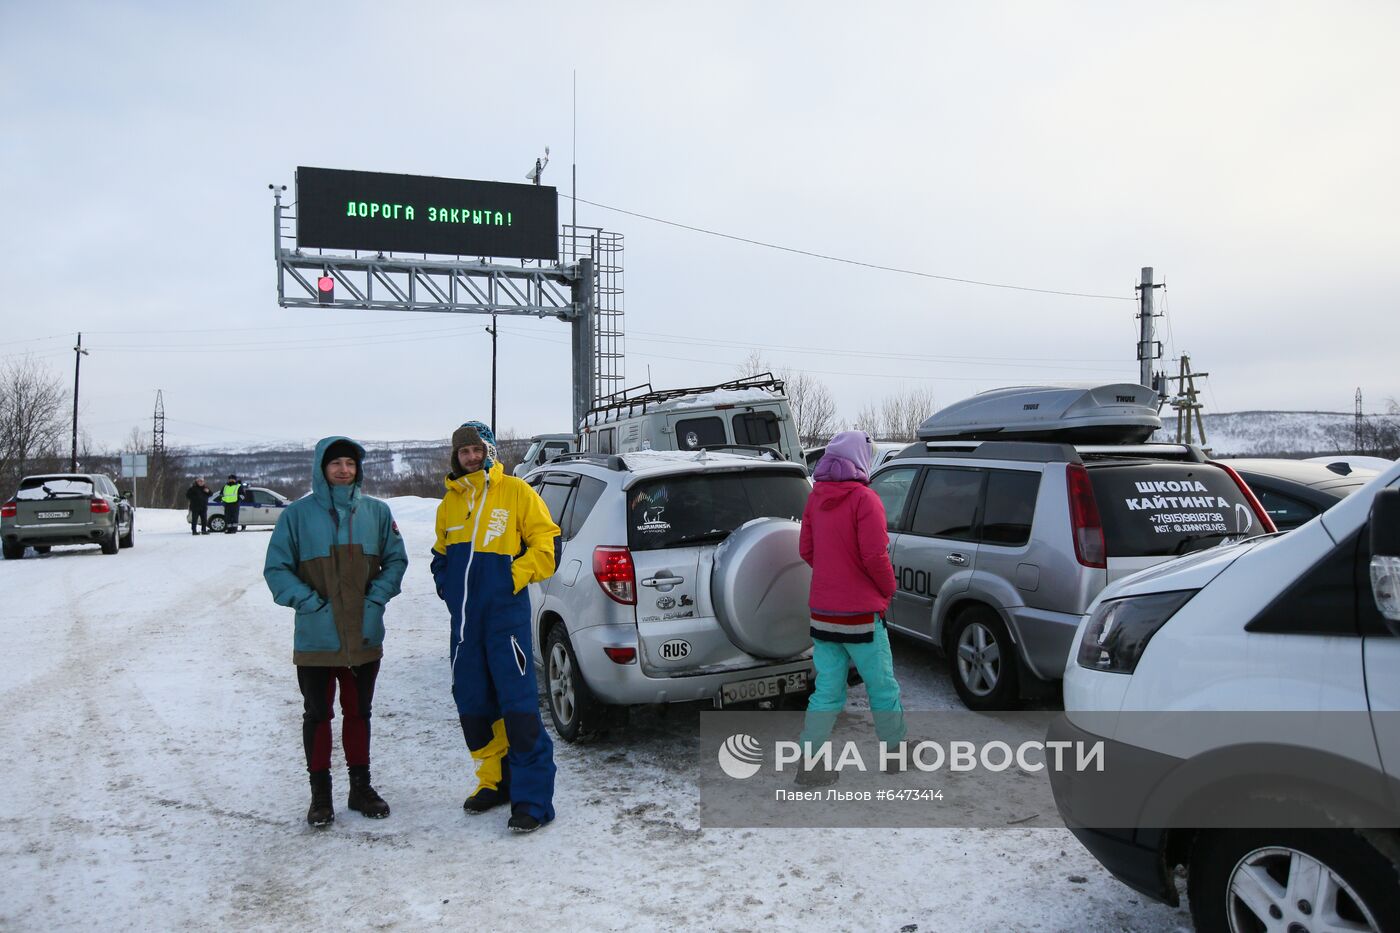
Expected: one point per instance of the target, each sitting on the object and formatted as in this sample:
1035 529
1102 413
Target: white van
1297 635
544 448
748 412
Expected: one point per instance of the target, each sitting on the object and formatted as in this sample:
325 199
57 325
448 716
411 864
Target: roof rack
767 453
1187 452
1115 413
1030 451
637 398
608 461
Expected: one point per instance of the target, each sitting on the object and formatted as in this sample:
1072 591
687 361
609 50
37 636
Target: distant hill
1270 433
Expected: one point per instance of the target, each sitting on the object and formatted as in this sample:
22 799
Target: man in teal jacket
337 558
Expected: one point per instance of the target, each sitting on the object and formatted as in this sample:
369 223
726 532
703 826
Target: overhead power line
851 262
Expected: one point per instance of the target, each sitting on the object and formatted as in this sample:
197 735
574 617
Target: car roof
1312 475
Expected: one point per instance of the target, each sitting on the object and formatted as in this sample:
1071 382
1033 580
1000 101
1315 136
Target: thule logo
1030 407
1125 399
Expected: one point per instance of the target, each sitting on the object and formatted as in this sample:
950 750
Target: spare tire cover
760 588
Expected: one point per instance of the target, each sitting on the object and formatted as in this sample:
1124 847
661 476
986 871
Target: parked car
1295 491
1301 631
1343 464
752 411
66 508
678 580
262 507
884 451
544 448
999 546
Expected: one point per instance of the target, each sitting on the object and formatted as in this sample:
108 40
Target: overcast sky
1247 151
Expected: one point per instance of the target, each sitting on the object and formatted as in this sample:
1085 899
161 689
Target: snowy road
154 779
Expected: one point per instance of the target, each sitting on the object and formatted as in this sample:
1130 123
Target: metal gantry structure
567 290
158 430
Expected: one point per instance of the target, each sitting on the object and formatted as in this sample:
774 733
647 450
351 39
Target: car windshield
675 511
1166 509
40 488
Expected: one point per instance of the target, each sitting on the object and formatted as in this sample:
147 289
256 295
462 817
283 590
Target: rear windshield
1164 509
39 488
676 511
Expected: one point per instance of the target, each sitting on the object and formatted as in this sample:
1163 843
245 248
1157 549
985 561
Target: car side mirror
1385 556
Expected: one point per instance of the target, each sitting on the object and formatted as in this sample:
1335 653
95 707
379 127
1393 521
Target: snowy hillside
1246 433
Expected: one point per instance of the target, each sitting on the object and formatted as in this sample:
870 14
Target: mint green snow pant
876 665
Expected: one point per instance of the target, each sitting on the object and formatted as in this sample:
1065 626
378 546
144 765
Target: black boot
322 812
486 798
363 797
521 821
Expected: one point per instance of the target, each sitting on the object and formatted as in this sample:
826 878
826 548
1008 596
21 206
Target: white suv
1254 691
679 580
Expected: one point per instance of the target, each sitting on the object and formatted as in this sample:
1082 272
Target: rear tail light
1085 524
100 506
1265 522
9 510
613 569
620 655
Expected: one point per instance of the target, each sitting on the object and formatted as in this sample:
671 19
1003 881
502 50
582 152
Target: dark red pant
356 698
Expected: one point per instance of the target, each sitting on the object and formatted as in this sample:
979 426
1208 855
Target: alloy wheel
979 659
561 683
1280 888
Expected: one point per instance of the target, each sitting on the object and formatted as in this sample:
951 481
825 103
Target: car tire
12 551
982 660
217 524
111 543
576 713
129 539
1241 873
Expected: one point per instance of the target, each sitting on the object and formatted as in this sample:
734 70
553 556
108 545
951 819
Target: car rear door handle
959 559
662 581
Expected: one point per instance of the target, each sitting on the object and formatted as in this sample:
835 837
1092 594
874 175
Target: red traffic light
325 290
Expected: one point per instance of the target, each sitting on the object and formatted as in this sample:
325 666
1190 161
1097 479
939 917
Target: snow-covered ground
154 779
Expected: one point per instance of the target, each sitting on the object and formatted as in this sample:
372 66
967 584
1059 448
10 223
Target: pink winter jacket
844 539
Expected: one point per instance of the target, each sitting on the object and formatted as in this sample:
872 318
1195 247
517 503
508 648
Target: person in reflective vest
230 496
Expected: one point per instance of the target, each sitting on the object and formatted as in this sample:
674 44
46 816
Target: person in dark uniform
198 496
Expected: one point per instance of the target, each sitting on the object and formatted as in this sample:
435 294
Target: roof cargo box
1120 413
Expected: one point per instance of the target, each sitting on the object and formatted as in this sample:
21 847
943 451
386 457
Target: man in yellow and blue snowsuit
495 537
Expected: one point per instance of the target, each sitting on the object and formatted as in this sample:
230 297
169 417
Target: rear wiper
1191 539
714 534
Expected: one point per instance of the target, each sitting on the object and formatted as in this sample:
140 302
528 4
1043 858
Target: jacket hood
830 494
320 486
848 457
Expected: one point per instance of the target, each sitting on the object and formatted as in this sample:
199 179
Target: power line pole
492 331
1358 430
1188 408
158 428
1148 350
78 354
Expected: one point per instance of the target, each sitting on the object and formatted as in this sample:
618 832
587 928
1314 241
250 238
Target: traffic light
325 290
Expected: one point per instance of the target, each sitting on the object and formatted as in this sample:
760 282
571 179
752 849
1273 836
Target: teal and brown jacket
337 558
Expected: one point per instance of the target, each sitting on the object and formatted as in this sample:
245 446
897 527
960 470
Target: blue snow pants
832 660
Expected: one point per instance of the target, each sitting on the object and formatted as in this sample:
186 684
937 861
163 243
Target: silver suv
999 547
678 580
66 508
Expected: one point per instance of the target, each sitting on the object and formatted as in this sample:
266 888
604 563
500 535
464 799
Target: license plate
54 514
762 688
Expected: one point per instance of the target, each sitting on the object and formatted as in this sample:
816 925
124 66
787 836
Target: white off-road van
748 412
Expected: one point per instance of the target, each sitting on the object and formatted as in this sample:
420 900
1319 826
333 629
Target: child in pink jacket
845 540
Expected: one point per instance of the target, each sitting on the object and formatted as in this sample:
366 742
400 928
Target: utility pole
1188 408
1148 349
78 354
1360 422
492 331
